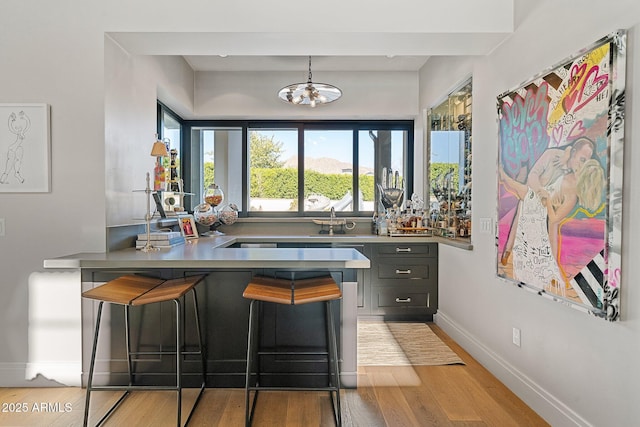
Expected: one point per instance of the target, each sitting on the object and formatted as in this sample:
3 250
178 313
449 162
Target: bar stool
131 290
292 292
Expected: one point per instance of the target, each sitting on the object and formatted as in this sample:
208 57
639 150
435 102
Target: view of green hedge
282 183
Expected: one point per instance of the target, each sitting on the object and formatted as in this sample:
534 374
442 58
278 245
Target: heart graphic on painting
556 134
600 83
577 72
584 86
577 130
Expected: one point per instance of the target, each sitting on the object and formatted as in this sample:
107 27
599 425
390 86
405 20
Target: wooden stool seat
132 290
168 290
291 292
123 290
296 292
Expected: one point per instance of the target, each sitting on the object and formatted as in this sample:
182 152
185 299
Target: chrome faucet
331 220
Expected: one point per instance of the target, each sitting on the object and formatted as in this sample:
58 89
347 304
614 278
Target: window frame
189 168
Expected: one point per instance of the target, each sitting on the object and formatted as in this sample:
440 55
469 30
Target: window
278 168
215 154
449 138
273 170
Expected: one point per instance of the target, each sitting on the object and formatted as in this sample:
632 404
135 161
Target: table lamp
159 151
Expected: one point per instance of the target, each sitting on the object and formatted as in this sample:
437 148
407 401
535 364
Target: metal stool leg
127 334
200 346
248 409
92 366
332 345
178 361
92 369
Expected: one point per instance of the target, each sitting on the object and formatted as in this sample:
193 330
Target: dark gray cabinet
402 282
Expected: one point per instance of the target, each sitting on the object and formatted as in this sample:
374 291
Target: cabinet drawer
399 271
401 249
402 299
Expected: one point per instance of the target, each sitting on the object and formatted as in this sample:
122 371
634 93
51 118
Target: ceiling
301 63
354 45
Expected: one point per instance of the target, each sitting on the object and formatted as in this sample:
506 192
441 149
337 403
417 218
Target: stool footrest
264 388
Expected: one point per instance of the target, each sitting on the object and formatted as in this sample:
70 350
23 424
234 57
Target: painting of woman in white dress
560 180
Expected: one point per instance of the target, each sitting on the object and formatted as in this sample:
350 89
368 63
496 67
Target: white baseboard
540 400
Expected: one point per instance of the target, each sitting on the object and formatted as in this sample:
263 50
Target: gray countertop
213 252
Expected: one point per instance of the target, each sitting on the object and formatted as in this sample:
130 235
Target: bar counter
228 270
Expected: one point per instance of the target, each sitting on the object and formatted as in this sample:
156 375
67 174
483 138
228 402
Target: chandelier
309 93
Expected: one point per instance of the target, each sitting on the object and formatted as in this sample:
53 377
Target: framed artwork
188 226
560 179
24 148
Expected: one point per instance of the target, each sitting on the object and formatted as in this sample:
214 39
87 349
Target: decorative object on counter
228 215
159 207
160 235
212 214
174 183
410 221
147 247
173 201
205 214
309 93
159 151
391 188
213 195
161 243
188 227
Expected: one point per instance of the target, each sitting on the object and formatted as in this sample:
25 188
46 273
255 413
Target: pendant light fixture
309 93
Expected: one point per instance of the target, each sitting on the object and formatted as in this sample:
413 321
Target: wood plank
460 396
303 409
394 407
360 407
450 391
508 401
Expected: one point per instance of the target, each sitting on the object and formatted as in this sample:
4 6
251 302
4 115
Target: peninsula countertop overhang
213 252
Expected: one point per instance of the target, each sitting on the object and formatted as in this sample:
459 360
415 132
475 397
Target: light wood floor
453 395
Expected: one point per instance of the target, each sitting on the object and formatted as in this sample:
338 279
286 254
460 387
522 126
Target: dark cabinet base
402 283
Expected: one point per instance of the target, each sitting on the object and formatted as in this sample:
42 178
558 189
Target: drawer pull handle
403 271
403 249
403 300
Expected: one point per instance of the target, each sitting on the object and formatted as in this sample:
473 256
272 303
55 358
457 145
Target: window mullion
301 169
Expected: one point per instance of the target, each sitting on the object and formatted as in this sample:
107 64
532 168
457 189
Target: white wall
574 369
133 84
366 95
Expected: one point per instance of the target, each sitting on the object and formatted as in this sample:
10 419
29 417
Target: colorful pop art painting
560 180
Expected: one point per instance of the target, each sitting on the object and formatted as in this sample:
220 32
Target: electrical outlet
516 337
1 227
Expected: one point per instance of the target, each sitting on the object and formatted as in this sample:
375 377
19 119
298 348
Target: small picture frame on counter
159 207
188 226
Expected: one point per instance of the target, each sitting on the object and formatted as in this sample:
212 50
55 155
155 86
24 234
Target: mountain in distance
326 165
